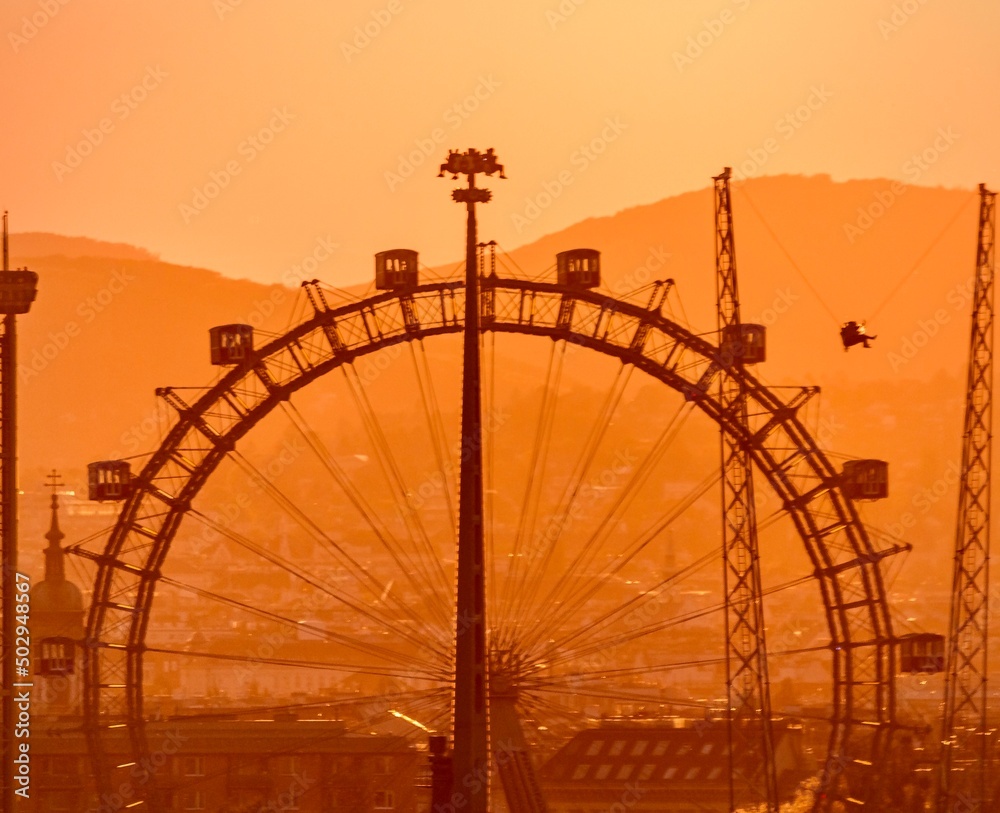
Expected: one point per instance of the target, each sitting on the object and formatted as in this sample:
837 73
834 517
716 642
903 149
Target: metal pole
19 288
8 540
471 755
8 537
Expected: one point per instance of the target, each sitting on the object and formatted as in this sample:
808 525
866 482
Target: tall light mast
471 759
753 779
964 731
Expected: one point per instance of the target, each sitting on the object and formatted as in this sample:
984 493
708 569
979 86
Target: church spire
55 569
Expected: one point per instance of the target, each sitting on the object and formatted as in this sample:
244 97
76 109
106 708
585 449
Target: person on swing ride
853 333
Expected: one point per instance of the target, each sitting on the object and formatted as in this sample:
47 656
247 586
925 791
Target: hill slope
112 323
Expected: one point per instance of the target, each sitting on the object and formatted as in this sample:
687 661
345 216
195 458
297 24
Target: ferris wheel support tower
964 730
753 779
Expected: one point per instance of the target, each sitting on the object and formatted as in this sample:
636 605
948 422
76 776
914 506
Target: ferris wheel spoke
633 605
561 722
327 589
488 351
397 486
579 677
425 711
536 471
349 668
572 679
631 696
406 567
378 651
361 574
435 426
547 703
619 639
588 551
402 696
547 541
576 600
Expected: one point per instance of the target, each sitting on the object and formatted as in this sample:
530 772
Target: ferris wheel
305 503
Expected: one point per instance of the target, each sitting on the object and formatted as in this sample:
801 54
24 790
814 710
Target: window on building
625 771
616 748
63 764
193 766
246 766
580 772
660 748
58 800
289 764
56 657
385 800
714 773
691 774
594 748
193 800
163 798
602 772
646 771
706 749
248 798
639 748
670 772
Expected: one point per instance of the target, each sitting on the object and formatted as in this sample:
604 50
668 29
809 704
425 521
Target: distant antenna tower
965 735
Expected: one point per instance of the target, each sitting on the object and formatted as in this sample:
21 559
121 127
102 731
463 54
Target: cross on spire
54 481
54 566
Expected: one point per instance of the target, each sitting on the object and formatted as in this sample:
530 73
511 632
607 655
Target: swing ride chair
853 333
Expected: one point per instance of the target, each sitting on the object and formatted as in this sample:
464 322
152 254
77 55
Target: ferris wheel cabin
747 342
396 268
109 480
57 656
579 268
865 479
230 344
17 290
921 653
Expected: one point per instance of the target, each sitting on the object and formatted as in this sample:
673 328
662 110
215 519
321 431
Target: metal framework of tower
965 733
751 748
521 788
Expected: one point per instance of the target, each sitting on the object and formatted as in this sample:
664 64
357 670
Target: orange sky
122 117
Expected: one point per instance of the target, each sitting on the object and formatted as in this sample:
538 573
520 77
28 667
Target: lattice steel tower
751 747
965 734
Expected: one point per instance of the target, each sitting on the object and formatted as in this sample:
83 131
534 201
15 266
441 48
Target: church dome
56 597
